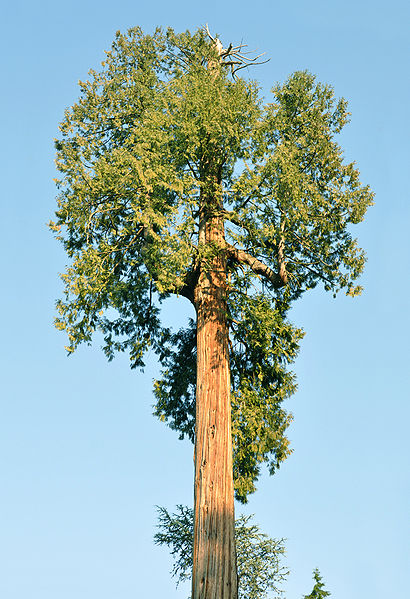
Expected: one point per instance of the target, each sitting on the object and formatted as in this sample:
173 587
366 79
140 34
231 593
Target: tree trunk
214 559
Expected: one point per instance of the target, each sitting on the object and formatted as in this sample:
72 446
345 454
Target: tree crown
160 134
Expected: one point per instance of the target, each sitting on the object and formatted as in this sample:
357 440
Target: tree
258 556
177 179
318 591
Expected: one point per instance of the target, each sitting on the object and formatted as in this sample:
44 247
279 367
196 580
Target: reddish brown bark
214 574
214 559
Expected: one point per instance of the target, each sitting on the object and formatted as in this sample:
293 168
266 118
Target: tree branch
258 267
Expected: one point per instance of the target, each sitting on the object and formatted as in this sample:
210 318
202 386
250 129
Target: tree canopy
152 132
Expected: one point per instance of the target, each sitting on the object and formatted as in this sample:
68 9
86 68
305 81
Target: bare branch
234 55
240 47
208 32
227 51
243 57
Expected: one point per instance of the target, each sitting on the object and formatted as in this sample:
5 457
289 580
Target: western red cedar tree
178 178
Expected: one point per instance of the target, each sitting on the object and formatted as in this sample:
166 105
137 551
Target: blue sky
82 460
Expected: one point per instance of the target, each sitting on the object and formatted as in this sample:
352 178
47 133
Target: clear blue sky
82 461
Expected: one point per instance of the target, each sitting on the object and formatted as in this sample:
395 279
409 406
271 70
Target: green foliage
299 191
175 392
258 556
177 532
264 344
144 144
318 591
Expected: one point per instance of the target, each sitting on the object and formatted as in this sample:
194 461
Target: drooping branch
278 280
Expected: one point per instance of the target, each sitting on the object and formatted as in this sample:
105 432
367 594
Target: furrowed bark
214 558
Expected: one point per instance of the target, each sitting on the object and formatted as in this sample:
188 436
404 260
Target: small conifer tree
318 592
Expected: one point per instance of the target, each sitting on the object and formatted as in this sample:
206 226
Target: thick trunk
214 559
